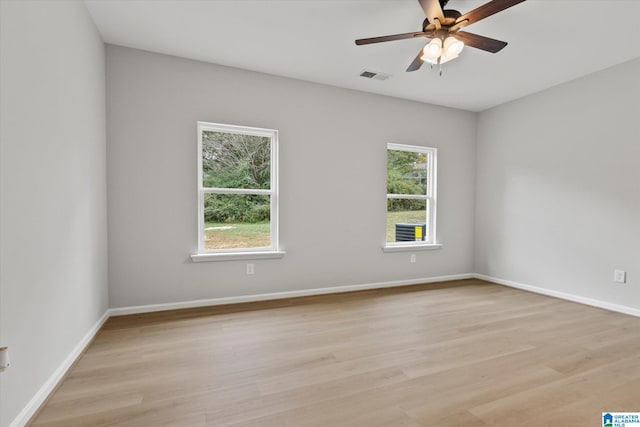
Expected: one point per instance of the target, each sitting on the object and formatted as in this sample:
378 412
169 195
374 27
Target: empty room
290 213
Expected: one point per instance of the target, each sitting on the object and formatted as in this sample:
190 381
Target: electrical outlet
619 276
250 269
412 258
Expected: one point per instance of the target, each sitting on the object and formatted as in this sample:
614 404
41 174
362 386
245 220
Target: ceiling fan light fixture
432 51
452 47
433 48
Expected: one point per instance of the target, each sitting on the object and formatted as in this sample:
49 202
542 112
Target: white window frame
430 197
271 251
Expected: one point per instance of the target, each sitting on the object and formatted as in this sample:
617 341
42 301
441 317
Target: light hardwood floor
464 353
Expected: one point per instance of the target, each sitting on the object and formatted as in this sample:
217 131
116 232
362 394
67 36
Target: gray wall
53 253
332 179
558 188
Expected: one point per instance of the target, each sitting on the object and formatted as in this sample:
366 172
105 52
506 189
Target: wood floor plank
465 353
558 394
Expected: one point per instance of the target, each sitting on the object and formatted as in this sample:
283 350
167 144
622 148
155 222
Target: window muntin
411 195
237 189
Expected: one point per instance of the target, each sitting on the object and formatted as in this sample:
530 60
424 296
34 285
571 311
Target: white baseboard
34 404
120 311
562 295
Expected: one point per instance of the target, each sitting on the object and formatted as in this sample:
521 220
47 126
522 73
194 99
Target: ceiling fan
443 28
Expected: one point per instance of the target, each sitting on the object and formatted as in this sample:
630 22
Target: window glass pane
231 160
406 220
406 172
236 221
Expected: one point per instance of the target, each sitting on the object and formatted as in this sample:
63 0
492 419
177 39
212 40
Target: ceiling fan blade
417 63
480 42
486 10
380 39
432 9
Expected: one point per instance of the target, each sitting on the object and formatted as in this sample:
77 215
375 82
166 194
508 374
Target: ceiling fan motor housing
450 17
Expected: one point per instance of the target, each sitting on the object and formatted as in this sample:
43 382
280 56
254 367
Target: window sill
412 247
232 256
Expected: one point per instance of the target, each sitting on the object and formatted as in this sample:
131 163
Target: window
411 196
237 192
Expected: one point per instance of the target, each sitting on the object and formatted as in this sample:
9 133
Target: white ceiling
550 42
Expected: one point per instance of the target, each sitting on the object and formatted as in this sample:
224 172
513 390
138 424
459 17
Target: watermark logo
621 419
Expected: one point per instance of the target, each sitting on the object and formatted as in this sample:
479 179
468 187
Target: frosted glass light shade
432 51
452 47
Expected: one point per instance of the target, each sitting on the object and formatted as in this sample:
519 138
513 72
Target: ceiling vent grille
374 76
